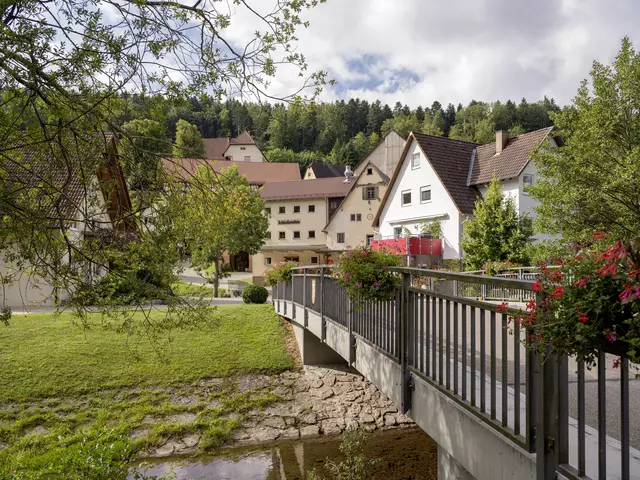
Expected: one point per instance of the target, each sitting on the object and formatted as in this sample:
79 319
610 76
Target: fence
470 353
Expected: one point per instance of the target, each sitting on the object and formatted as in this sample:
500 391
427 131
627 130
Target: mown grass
183 289
68 392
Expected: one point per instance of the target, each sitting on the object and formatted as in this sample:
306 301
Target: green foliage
255 294
591 181
362 272
496 231
188 141
591 303
434 228
218 213
403 124
143 143
281 272
355 466
190 290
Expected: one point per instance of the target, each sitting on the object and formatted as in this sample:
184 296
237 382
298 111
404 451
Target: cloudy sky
418 51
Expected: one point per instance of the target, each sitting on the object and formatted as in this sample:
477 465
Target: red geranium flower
501 308
537 286
583 318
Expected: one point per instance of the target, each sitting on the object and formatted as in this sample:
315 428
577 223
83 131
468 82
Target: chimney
502 138
348 174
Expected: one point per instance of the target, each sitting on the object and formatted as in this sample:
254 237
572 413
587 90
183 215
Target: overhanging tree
188 141
592 181
496 232
218 214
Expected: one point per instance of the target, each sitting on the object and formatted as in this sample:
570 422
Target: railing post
323 321
293 296
404 350
547 404
352 340
304 300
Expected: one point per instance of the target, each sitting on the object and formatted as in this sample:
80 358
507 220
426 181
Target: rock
330 427
351 424
354 410
366 418
329 380
289 421
340 389
314 381
186 400
252 382
167 449
39 430
353 396
291 433
283 392
309 431
240 435
275 422
191 441
211 382
300 386
214 404
264 434
139 433
390 420
182 418
403 419
309 418
150 419
322 393
377 414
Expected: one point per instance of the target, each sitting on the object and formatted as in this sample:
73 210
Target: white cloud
457 50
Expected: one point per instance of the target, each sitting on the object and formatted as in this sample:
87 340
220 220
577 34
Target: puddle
406 454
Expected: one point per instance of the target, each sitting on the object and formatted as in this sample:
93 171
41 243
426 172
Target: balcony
410 246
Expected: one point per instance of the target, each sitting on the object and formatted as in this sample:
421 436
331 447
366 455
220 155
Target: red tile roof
257 173
510 162
319 188
215 147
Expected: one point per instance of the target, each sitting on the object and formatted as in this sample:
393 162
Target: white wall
238 152
441 206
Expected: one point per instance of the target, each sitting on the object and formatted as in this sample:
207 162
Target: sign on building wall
288 222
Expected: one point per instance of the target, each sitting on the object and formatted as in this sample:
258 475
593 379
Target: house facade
385 155
239 149
440 179
88 204
298 212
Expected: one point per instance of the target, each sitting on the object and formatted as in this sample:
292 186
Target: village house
440 179
77 202
298 212
352 222
240 149
323 170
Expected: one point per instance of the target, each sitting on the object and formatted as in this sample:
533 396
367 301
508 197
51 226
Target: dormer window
415 161
369 171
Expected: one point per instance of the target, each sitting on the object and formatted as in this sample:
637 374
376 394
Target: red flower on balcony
558 292
537 286
599 235
583 318
582 282
501 308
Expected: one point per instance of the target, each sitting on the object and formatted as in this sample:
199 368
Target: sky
418 51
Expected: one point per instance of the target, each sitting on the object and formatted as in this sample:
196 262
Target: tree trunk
216 279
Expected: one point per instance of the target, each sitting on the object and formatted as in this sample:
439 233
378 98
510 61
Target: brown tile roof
319 188
257 173
450 160
243 139
215 147
327 170
510 162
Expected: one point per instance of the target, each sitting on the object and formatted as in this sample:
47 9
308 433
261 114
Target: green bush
255 294
362 271
280 272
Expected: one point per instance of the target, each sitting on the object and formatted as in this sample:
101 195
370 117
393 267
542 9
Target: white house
440 179
240 149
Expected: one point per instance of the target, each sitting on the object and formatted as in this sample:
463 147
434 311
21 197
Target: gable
385 155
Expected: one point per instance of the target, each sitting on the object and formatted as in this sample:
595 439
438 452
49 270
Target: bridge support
313 351
449 468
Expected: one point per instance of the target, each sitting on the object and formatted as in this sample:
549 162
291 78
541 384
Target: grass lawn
183 289
64 387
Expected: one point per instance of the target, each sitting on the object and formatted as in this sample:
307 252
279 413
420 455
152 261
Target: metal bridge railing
461 346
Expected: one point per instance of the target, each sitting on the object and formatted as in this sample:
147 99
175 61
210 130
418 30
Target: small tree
188 141
220 213
496 232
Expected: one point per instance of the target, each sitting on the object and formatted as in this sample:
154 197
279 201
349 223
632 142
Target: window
296 235
369 171
527 181
425 194
406 198
243 148
267 260
282 235
282 210
369 193
369 239
356 217
314 260
247 158
312 234
268 235
312 208
267 210
296 209
415 161
340 238
397 232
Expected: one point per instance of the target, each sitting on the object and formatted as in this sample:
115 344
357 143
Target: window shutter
377 193
364 193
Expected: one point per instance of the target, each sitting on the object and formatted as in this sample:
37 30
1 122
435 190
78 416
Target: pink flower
611 335
376 284
358 285
617 362
346 277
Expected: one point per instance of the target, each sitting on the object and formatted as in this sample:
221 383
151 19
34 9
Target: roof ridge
440 137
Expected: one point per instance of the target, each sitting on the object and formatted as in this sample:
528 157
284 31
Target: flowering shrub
362 272
493 268
592 302
280 272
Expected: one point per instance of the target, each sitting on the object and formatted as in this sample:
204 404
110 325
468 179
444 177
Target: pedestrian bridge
454 365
